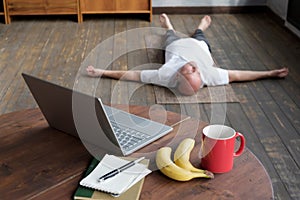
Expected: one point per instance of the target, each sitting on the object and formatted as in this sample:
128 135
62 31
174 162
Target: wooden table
37 162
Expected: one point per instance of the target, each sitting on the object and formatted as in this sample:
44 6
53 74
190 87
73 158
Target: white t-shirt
180 52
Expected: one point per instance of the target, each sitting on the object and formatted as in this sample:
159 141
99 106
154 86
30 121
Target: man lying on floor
189 65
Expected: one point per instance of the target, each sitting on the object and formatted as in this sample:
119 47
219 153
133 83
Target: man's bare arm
115 74
240 75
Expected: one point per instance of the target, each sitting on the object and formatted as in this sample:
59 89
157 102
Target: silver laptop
110 129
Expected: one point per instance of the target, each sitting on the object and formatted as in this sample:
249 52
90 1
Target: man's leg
170 34
199 33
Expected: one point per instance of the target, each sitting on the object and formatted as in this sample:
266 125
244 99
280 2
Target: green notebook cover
83 193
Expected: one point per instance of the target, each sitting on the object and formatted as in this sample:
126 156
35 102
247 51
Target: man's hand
92 71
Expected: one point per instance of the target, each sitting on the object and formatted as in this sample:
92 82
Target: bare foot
205 23
94 72
165 22
279 73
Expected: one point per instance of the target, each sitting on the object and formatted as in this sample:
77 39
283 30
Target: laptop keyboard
128 137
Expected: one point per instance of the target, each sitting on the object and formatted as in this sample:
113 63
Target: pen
119 170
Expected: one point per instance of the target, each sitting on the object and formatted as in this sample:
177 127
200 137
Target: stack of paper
119 183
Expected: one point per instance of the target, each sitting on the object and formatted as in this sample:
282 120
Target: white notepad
119 183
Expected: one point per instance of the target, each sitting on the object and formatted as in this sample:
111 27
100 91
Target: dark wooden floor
268 114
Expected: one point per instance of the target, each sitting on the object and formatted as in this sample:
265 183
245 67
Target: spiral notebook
119 183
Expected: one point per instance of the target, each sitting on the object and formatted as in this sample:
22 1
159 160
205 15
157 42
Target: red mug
217 149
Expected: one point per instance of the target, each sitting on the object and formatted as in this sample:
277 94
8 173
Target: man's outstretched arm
115 74
240 75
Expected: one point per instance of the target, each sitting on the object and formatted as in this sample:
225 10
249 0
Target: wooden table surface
38 162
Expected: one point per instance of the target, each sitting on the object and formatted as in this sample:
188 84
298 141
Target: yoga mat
216 94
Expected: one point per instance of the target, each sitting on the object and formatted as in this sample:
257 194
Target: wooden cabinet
41 7
116 6
3 11
134 5
96 6
75 7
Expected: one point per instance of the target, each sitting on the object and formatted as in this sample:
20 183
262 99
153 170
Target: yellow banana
182 155
170 169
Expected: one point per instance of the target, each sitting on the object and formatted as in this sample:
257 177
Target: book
88 193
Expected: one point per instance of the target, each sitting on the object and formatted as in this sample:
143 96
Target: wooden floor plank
107 30
136 48
119 91
19 59
34 59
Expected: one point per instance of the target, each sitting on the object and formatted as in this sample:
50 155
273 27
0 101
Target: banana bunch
182 169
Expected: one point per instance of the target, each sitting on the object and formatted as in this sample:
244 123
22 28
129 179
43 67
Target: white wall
191 3
279 7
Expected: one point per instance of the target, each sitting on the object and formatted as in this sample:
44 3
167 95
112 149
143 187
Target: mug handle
242 145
